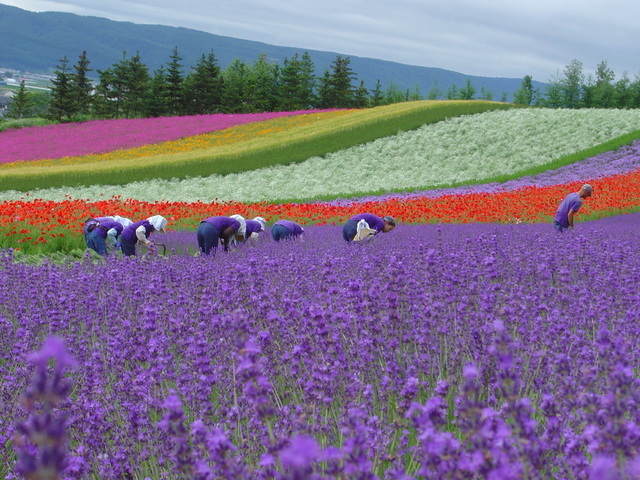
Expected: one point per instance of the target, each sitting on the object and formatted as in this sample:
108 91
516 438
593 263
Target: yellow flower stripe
218 138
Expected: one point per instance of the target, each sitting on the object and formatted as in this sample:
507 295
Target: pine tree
82 85
308 82
122 90
234 92
452 92
137 83
325 98
622 94
262 86
290 85
341 91
22 104
468 92
553 94
486 94
525 94
203 87
571 85
603 89
105 101
361 96
415 95
376 95
156 97
435 92
175 94
634 98
63 103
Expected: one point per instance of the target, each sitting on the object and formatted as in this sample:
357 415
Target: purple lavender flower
404 373
41 440
173 423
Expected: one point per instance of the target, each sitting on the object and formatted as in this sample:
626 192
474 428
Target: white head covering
261 221
243 225
158 222
125 222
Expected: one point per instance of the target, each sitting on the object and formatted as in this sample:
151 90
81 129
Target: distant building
6 97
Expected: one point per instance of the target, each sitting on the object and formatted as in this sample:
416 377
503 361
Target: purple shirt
129 233
570 202
293 227
97 220
252 227
374 221
222 223
106 225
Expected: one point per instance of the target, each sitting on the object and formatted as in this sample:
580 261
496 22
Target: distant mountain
36 41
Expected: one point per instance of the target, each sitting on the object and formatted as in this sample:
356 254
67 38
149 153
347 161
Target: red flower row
529 204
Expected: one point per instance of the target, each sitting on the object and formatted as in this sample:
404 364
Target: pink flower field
101 136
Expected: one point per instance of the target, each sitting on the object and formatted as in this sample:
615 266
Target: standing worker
216 229
138 232
286 229
105 231
569 206
364 225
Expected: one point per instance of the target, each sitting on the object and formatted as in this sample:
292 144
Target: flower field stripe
280 148
216 139
462 150
474 351
493 146
41 225
99 136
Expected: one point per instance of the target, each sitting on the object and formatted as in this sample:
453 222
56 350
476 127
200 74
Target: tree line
574 89
127 89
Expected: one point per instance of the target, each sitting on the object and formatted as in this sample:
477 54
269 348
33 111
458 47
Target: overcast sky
493 38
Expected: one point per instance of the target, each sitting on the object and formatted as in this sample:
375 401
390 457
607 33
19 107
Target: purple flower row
434 351
101 136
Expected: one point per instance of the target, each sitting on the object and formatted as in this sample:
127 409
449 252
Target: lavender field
434 351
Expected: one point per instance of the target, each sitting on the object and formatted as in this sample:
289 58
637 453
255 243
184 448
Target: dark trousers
85 230
280 232
208 237
128 248
97 243
349 230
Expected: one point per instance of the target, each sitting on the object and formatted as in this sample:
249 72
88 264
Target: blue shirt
570 202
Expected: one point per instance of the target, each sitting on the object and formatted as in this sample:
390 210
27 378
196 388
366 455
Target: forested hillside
37 41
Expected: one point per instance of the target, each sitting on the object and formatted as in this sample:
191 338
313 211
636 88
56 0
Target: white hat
261 221
243 225
125 222
158 222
